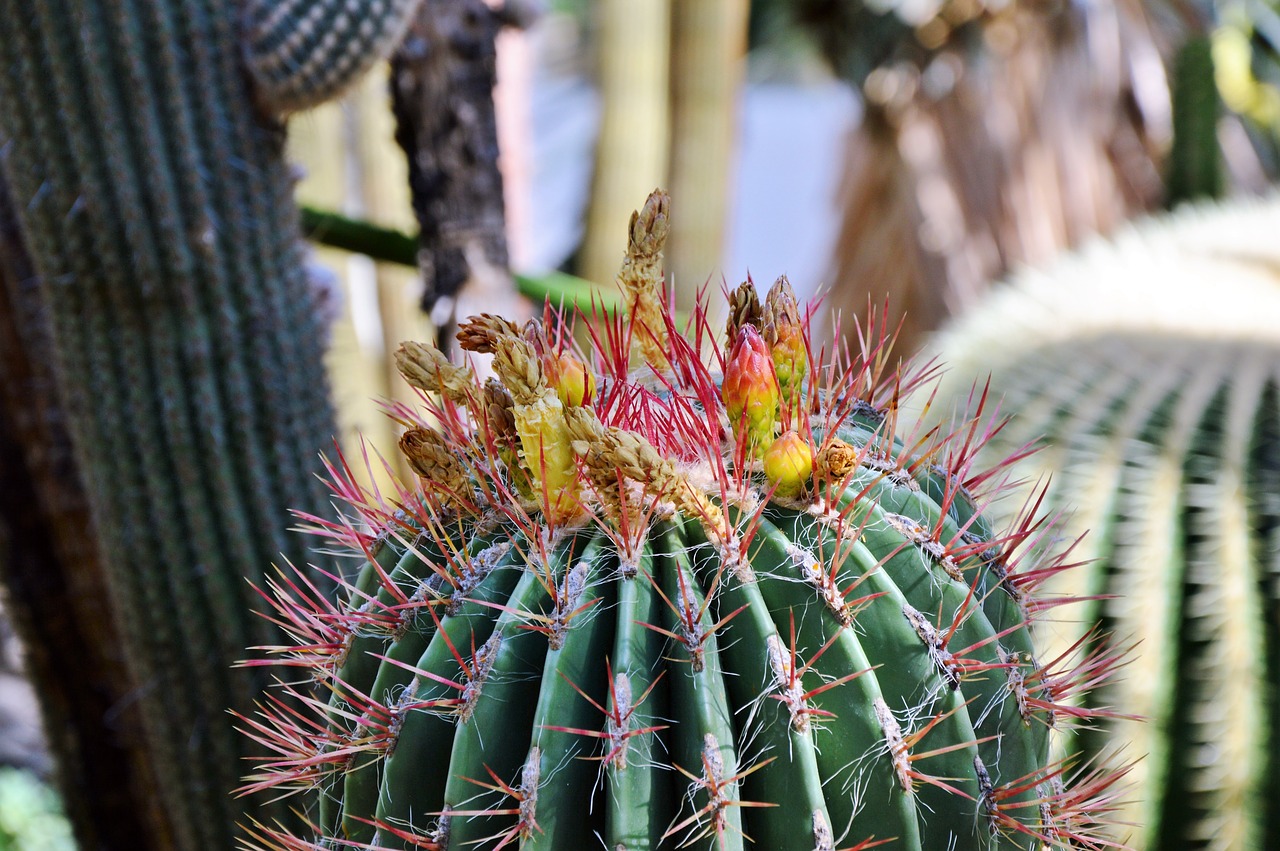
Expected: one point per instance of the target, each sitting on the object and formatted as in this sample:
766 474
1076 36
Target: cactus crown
669 600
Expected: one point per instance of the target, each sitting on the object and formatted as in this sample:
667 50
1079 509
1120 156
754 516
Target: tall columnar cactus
599 621
303 52
1152 368
156 206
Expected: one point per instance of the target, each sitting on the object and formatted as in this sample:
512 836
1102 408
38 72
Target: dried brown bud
435 461
744 309
498 405
515 359
481 333
835 460
427 369
640 277
607 451
647 233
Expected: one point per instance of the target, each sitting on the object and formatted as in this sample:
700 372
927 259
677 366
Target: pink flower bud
788 464
750 389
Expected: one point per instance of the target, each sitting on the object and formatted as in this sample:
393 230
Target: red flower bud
750 389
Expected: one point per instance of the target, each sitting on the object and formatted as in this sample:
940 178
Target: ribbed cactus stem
159 216
304 52
691 651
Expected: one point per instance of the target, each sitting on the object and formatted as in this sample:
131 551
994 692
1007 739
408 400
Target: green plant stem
392 246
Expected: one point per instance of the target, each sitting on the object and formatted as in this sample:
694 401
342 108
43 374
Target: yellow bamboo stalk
384 188
631 154
709 43
330 144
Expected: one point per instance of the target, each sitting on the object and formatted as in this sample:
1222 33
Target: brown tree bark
442 82
56 586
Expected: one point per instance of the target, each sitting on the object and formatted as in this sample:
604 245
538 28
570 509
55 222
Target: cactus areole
595 622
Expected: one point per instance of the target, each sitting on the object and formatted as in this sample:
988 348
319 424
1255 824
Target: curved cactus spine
301 53
1152 369
671 653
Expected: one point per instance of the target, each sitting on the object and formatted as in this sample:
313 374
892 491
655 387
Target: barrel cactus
1152 368
675 601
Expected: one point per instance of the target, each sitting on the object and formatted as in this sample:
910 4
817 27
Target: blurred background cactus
1151 367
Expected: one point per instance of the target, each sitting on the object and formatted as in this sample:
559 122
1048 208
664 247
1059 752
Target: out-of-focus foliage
1246 58
858 37
31 816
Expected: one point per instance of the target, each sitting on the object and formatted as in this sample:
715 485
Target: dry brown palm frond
973 161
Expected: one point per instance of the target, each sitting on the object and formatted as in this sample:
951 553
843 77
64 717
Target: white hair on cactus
1207 271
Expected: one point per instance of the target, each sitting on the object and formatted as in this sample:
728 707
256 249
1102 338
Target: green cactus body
301 53
680 660
1195 158
1152 369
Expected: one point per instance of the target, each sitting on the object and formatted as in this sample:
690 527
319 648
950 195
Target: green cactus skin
1195 158
304 52
1152 369
158 211
671 659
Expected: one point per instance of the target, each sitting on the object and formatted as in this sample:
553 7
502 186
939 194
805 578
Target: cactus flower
788 464
750 389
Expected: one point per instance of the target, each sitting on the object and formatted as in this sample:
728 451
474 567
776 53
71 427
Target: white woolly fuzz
1205 271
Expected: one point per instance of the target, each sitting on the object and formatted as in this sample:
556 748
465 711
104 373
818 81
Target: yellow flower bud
785 335
575 384
788 464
